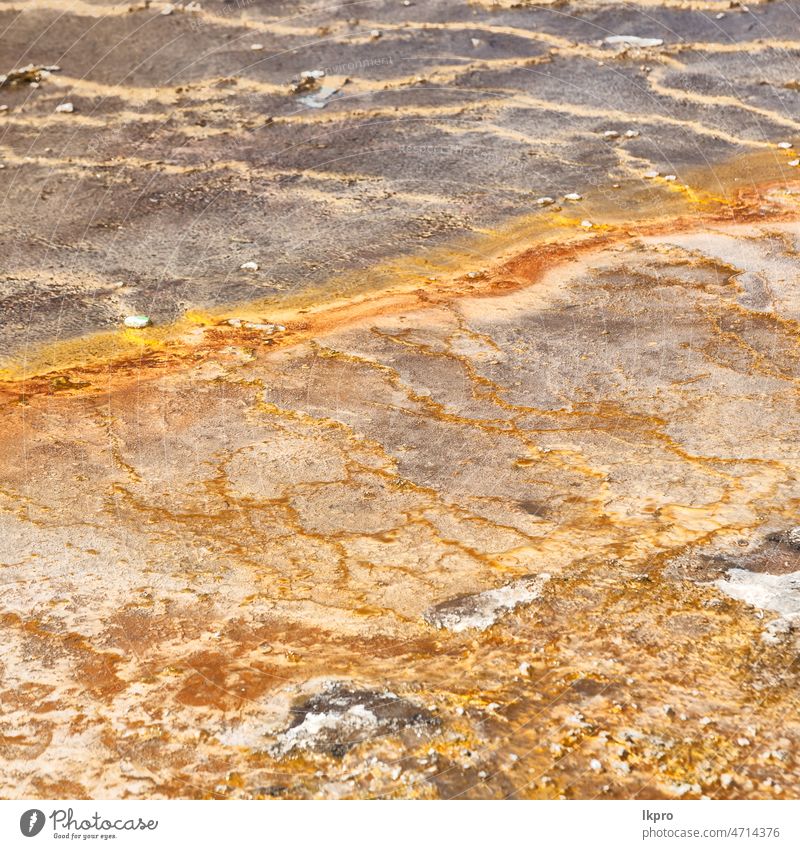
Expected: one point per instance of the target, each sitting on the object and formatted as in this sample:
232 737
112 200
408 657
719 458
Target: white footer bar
356 824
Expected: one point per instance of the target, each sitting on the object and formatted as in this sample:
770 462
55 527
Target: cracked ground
481 484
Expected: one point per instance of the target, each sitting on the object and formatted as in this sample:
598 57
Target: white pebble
136 321
65 107
249 266
573 196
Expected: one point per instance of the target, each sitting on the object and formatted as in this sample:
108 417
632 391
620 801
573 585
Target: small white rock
785 145
631 134
573 196
256 46
587 224
65 107
545 201
595 765
651 175
249 266
794 163
168 9
137 321
742 741
670 177
610 134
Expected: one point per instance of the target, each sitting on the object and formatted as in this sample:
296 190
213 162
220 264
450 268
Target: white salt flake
633 41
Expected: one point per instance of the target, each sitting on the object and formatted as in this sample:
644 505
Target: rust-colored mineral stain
489 510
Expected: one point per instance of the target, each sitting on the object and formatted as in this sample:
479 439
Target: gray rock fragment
482 610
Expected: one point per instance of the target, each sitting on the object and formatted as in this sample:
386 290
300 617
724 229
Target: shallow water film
399 400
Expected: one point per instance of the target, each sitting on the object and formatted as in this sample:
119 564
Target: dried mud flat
509 507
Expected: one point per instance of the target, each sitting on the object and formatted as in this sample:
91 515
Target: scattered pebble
631 134
307 80
651 175
249 266
256 46
785 145
65 107
587 224
719 16
742 741
670 177
524 667
794 163
573 196
476 42
610 134
375 34
168 9
595 765
31 74
545 201
726 779
3 107
137 321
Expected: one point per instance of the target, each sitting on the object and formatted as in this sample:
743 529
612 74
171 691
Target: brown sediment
248 526
209 533
507 266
